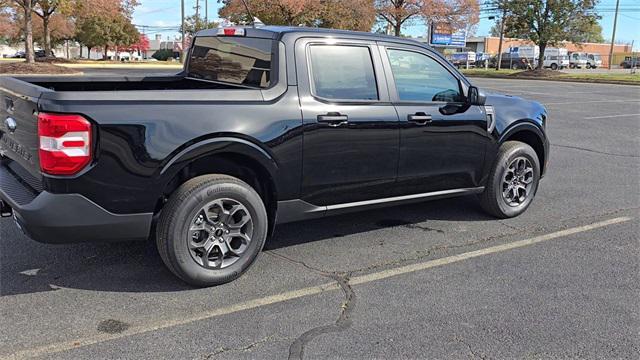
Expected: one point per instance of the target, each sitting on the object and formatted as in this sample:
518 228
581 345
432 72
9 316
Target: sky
163 17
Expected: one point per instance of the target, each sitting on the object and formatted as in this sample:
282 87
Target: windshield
234 60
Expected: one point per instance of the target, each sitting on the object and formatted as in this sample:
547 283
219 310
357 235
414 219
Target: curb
560 79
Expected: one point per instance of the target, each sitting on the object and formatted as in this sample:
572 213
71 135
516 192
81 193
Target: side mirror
476 97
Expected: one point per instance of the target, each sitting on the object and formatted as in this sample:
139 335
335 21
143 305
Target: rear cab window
233 60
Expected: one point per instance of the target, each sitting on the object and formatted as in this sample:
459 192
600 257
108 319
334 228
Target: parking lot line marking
591 102
610 116
482 252
296 294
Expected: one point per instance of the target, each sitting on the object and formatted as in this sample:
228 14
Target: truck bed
123 83
44 91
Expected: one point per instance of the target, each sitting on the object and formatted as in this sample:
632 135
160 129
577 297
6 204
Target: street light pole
504 14
182 54
206 12
613 36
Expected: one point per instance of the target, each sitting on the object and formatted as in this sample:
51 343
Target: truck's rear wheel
513 181
211 230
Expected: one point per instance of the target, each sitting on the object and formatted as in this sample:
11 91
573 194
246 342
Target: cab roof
276 32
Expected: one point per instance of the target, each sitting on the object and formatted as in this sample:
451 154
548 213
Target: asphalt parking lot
432 280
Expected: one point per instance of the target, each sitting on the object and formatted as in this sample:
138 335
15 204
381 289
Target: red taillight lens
231 32
65 143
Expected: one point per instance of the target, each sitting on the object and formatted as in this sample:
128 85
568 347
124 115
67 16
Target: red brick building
490 45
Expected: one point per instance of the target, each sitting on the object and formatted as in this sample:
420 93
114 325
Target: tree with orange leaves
398 13
6 27
350 15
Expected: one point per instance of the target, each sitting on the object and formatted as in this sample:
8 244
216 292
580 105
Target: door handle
420 118
333 119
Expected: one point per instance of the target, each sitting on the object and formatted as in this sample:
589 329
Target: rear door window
341 72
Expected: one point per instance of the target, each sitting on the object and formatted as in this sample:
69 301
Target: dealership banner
441 34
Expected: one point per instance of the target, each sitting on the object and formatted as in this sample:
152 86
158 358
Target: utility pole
504 15
182 54
634 59
613 36
206 13
197 13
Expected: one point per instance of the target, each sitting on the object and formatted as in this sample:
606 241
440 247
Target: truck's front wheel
211 230
513 181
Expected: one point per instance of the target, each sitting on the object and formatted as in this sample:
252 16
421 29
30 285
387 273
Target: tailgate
19 124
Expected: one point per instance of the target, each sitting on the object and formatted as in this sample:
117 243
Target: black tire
554 66
176 219
492 199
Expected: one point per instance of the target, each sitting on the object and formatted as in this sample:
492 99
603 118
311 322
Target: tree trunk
106 49
542 47
397 28
47 36
28 32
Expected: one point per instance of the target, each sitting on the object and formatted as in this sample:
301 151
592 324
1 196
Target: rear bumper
68 218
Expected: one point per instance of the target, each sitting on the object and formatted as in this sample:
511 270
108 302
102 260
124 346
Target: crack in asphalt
474 354
296 350
423 228
222 350
595 151
507 225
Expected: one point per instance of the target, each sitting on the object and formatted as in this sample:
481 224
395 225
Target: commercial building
490 44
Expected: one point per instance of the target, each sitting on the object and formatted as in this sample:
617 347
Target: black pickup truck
263 126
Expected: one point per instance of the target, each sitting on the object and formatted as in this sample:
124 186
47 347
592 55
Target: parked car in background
577 60
43 54
556 58
513 61
630 62
125 56
263 126
37 53
594 61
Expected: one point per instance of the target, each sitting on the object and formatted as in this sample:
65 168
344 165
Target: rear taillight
65 143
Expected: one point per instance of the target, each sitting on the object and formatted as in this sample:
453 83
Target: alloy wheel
220 233
517 182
